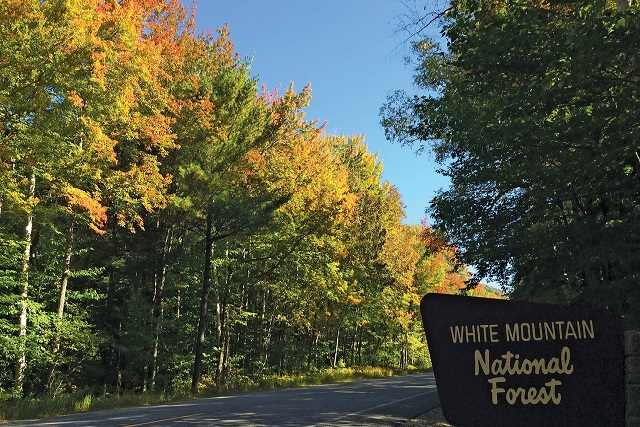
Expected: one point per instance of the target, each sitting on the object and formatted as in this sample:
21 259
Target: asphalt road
382 402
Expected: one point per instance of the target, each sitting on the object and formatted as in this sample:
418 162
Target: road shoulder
433 418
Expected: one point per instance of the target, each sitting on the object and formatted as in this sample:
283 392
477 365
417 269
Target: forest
166 224
531 108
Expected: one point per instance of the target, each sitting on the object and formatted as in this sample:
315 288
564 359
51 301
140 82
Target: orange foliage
442 270
89 204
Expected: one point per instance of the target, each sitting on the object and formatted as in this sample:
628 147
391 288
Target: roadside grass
85 401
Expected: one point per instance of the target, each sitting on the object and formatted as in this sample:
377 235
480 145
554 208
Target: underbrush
85 401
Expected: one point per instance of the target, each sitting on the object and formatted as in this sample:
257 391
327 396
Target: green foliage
185 230
532 115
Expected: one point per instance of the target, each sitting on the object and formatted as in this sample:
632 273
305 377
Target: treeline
166 224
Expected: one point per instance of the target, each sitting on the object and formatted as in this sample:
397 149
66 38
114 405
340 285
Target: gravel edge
433 418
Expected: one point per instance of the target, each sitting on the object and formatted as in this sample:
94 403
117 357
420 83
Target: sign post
509 363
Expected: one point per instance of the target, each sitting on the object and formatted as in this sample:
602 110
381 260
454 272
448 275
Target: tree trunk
404 353
312 338
118 364
353 347
267 341
225 350
64 280
335 353
158 309
313 342
360 339
282 337
262 336
204 301
354 341
68 245
21 362
225 338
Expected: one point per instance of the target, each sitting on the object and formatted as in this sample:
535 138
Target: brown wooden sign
508 363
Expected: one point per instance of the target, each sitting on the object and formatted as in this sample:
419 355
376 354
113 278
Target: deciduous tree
531 114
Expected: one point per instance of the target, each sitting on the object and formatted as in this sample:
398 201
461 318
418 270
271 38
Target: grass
84 401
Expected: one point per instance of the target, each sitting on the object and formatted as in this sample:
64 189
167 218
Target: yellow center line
164 419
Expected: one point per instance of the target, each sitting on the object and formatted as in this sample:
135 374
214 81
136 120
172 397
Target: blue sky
348 52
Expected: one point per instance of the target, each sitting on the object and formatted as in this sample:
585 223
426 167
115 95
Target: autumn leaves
152 196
